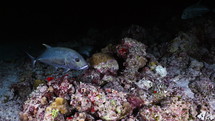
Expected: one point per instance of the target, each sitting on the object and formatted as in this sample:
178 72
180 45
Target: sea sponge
38 82
98 58
104 63
59 104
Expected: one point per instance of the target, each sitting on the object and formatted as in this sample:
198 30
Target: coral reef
173 109
134 54
107 104
33 106
126 81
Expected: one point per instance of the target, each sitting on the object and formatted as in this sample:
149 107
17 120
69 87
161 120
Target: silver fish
194 10
61 57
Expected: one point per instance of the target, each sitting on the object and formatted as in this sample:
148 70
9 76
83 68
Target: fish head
76 61
188 13
185 15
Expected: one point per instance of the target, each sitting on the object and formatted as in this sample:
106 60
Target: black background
45 22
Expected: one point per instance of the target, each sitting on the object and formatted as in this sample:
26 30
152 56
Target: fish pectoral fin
56 68
66 62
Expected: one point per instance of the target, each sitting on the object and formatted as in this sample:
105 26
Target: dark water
16 50
27 28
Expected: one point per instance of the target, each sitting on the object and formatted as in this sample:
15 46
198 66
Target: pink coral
109 106
177 110
135 101
33 108
135 58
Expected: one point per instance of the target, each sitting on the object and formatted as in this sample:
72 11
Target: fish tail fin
33 59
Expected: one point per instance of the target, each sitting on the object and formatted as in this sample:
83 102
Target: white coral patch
161 71
144 84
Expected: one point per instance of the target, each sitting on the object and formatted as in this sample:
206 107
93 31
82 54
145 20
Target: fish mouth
84 67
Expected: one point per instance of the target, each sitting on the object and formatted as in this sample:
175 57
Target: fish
194 10
61 57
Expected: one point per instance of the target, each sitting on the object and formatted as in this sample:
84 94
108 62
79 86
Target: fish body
194 10
61 57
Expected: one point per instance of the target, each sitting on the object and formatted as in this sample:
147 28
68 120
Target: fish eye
77 59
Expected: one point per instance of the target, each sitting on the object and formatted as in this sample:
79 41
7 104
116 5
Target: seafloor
143 74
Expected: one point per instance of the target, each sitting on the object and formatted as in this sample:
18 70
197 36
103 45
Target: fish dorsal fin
47 46
197 4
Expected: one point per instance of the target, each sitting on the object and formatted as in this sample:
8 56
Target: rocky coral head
135 101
